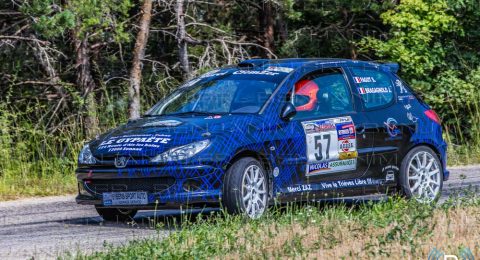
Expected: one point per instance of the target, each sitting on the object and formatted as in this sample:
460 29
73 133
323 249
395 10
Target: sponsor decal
255 72
364 80
134 142
348 155
411 117
318 126
400 85
392 128
390 167
339 184
390 176
214 117
279 69
163 123
346 145
213 73
377 90
346 131
389 172
300 188
331 166
405 97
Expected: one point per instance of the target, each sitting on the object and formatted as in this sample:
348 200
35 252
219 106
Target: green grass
396 228
28 167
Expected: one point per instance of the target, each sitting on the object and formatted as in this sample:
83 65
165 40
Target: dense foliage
64 64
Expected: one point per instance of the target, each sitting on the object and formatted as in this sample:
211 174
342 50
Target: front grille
135 184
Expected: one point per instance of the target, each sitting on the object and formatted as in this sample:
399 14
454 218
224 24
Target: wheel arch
266 164
250 153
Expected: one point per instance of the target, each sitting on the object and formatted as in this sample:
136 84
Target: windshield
229 95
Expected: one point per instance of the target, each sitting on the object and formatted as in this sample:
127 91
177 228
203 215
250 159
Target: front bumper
166 186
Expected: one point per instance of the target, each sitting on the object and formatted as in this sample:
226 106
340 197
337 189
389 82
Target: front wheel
114 214
245 188
421 175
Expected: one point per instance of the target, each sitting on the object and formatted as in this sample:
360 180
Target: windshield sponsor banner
134 142
280 69
330 145
255 72
210 74
332 185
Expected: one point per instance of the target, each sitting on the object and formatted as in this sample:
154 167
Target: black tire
116 215
407 174
234 189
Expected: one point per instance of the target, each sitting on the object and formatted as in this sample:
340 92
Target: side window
322 93
375 87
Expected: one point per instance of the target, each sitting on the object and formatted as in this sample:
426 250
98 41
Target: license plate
125 198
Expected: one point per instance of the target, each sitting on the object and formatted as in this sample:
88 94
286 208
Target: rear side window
375 87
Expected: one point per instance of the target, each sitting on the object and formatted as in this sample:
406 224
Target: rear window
374 87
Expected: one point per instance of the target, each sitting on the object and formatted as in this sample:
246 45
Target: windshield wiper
150 115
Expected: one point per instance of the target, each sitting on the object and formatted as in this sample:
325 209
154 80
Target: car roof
295 63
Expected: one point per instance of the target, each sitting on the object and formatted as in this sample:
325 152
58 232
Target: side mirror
288 111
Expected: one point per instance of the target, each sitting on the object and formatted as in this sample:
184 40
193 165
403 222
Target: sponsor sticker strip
339 184
374 90
364 80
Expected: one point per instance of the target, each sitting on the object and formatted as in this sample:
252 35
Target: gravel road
47 227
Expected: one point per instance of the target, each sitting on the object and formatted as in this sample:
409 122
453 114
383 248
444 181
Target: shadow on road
150 219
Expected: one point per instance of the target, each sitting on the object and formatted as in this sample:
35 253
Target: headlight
182 152
86 156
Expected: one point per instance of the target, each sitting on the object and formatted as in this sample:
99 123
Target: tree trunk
87 85
138 55
181 40
268 22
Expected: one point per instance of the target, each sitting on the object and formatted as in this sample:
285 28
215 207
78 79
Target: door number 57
318 146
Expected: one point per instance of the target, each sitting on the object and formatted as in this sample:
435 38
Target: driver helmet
307 89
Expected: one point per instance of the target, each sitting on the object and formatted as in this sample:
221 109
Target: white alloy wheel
424 176
254 191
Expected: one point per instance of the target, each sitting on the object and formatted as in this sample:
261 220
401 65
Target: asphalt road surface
48 227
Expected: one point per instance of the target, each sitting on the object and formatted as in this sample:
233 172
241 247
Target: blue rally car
269 130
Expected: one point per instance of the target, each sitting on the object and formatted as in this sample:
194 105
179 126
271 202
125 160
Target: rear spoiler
393 67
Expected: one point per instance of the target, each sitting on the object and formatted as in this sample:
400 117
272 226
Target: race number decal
331 145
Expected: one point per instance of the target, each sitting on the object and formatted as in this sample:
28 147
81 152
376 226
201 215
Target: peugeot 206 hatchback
269 130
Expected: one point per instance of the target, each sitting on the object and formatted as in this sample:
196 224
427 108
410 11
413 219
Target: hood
154 135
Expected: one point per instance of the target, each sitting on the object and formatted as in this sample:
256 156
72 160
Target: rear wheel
421 175
114 214
245 189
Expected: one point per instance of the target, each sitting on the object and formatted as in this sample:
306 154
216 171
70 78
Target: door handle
360 130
